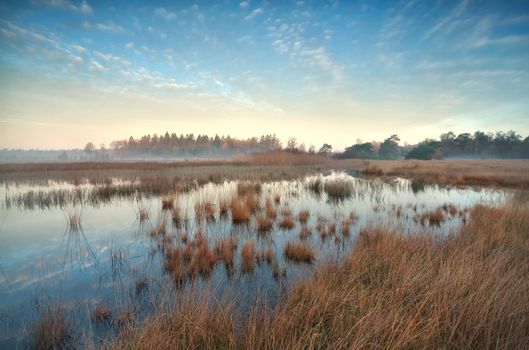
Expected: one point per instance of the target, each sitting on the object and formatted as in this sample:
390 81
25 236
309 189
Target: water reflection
116 249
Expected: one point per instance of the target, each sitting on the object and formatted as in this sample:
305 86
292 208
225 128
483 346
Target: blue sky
322 71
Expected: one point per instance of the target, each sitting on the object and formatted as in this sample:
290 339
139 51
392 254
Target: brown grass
497 173
435 217
271 212
299 252
167 203
225 249
158 230
52 330
264 224
305 232
287 223
303 216
394 291
248 256
239 211
101 313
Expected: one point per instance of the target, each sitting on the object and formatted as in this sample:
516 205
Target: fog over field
261 174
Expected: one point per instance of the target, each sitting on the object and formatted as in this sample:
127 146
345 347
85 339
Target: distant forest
449 145
477 145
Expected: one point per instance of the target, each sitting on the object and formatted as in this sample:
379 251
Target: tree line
501 144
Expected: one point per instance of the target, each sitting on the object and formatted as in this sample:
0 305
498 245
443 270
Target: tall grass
468 290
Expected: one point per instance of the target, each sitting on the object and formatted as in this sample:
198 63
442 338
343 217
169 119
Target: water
44 260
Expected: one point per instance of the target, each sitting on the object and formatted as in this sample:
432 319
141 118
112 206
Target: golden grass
513 173
305 232
52 330
264 224
303 216
167 203
393 291
239 211
248 256
299 252
287 223
101 313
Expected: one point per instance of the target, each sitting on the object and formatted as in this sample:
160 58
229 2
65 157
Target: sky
337 72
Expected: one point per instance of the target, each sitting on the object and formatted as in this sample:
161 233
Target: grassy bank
394 291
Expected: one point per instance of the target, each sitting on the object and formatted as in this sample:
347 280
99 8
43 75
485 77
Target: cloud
456 12
79 48
244 4
254 14
129 45
167 15
82 7
105 27
506 40
111 58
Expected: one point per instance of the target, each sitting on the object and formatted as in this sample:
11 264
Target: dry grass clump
224 207
277 199
435 217
194 259
338 189
248 256
239 211
372 169
52 330
225 250
101 313
252 202
450 209
394 291
176 215
303 216
248 187
271 212
287 223
305 232
167 203
158 230
205 210
143 214
299 252
265 255
264 224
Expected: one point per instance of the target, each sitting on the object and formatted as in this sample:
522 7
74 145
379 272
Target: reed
299 252
303 216
101 313
248 257
264 224
239 212
52 330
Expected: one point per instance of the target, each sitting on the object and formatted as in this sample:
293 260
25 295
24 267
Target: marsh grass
101 313
393 291
248 257
52 330
264 224
303 216
338 189
239 211
299 252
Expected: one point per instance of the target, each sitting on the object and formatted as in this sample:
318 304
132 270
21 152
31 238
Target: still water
112 258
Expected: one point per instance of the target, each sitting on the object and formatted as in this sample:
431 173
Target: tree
325 149
292 144
389 149
362 151
423 151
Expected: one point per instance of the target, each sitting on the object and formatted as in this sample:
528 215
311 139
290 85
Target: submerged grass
393 291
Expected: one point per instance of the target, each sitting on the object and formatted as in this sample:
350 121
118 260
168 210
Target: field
270 251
